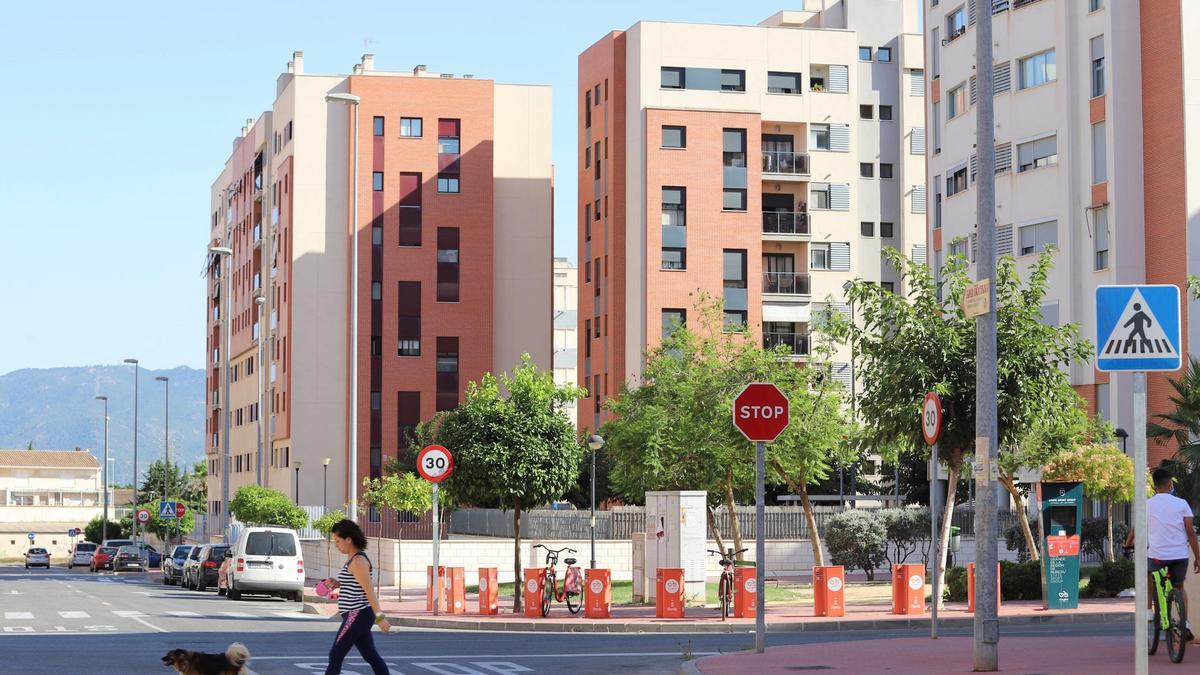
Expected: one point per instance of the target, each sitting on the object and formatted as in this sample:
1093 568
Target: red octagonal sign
760 412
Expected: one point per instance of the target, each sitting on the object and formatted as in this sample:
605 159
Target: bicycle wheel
574 602
547 596
1155 627
1176 632
723 595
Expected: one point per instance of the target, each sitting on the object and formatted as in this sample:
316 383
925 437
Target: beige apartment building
566 340
46 492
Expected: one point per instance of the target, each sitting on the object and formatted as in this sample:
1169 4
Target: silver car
37 557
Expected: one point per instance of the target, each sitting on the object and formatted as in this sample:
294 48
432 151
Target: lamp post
595 442
853 397
166 440
134 363
352 426
297 494
226 338
104 524
259 300
1124 436
325 483
108 477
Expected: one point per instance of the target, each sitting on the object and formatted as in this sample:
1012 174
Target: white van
266 560
117 543
82 554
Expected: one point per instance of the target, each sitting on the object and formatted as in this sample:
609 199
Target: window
672 78
446 369
375 401
1095 5
934 66
674 206
887 230
867 229
889 286
818 137
818 257
956 101
1038 153
883 55
587 109
447 264
819 193
378 122
410 209
885 113
1097 44
448 137
866 112
866 170
596 210
734 263
596 325
377 181
1037 69
958 248
376 345
409 318
1100 237
672 320
864 53
376 290
410 127
1099 154
956 23
783 83
1035 238
733 146
408 416
885 170
733 199
733 80
376 235
956 182
587 157
674 137
447 183
936 109
674 258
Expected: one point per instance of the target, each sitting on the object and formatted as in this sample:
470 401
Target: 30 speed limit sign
435 463
931 418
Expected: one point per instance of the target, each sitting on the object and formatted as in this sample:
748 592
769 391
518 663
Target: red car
102 559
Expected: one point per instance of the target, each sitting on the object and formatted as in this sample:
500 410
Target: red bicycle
571 590
725 586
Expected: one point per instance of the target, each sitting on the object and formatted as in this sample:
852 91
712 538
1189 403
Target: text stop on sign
765 412
760 412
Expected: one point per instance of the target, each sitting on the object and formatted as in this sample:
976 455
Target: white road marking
74 615
149 625
238 615
487 656
13 616
128 613
180 613
298 615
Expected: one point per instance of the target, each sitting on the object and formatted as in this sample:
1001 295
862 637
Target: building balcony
258 238
784 225
784 164
786 283
797 343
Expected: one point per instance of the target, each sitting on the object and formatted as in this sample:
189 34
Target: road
61 621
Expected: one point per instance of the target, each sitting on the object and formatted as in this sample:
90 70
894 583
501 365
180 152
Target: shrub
1095 533
1021 581
906 530
857 540
1110 579
255 505
1014 539
94 530
956 584
326 522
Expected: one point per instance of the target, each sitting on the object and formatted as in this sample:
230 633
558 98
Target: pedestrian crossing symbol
1137 328
166 509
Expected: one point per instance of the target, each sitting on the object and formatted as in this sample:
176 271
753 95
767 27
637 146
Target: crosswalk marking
237 615
74 615
298 615
128 613
12 616
181 613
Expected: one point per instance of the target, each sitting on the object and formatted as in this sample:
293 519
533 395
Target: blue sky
115 123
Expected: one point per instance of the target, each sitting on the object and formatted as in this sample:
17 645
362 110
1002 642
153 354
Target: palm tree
1182 425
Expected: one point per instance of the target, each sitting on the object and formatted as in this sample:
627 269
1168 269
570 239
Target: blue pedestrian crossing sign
1137 328
166 510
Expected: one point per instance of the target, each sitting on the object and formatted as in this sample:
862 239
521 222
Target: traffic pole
934 540
1141 584
760 547
437 536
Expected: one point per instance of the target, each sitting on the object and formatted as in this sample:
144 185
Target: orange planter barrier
535 580
829 589
597 594
971 587
456 586
489 595
908 589
745 592
668 598
429 588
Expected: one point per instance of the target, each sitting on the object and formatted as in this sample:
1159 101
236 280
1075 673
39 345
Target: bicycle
725 585
1170 616
572 587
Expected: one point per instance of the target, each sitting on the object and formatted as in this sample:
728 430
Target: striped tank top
351 595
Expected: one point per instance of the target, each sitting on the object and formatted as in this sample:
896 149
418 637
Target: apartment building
764 165
1092 139
566 338
46 493
453 211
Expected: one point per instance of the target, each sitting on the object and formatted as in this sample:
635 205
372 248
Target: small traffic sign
931 418
435 463
760 412
166 509
72 532
180 509
1138 328
32 536
143 516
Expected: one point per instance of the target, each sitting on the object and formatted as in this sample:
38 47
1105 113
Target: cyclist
1170 532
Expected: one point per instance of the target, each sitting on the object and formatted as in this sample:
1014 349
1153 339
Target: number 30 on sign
435 463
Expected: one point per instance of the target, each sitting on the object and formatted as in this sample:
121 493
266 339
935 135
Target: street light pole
166 439
595 442
325 483
134 362
104 524
352 424
259 300
297 493
226 339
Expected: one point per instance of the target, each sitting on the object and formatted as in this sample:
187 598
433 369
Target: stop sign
760 412
180 509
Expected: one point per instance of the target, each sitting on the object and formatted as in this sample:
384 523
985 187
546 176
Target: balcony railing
786 283
796 342
783 222
784 162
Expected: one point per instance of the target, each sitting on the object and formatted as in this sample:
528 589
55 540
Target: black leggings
356 632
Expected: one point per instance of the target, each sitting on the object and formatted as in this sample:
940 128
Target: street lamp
226 340
853 394
134 363
297 463
595 442
351 425
325 483
107 486
104 525
259 300
166 438
1124 436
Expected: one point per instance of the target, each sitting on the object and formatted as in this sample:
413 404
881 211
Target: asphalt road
59 621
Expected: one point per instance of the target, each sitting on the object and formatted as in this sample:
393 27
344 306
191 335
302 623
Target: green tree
1106 474
164 528
255 505
1180 427
403 492
518 451
858 539
94 530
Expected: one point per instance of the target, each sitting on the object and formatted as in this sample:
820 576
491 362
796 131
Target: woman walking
357 602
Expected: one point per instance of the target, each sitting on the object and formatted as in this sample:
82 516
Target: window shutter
839 196
974 90
818 318
841 374
917 141
839 79
839 256
916 86
1003 157
839 137
970 12
974 166
999 6
1001 78
974 245
1004 240
918 254
918 199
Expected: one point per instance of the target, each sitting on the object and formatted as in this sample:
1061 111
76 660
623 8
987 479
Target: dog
232 662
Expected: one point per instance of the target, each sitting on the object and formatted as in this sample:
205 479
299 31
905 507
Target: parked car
102 559
267 560
117 543
189 564
82 555
172 565
150 554
128 558
203 573
37 557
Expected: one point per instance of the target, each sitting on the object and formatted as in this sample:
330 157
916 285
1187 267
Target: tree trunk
712 526
734 527
518 584
1108 547
1010 486
947 515
810 518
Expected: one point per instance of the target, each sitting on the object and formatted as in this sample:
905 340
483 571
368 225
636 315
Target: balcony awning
798 312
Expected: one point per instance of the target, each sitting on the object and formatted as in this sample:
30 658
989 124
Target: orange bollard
829 590
908 589
489 591
971 587
456 586
897 590
745 592
597 594
668 598
535 581
429 588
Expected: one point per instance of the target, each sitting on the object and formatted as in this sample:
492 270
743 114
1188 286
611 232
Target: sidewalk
411 613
